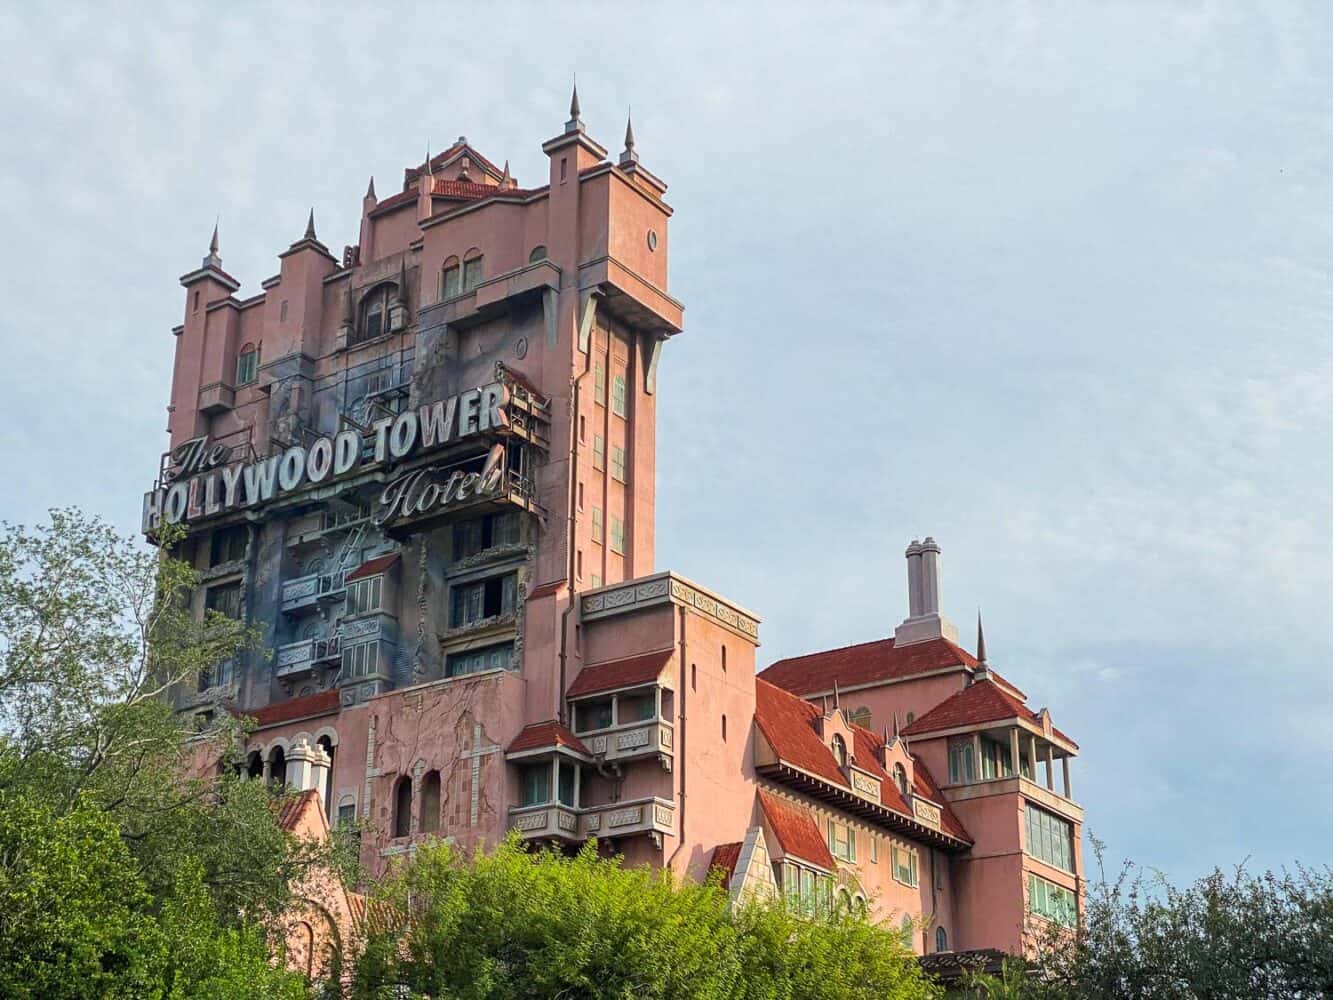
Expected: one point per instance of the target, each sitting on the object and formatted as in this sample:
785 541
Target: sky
1048 282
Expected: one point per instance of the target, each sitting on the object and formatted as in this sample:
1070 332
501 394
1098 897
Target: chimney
307 767
924 620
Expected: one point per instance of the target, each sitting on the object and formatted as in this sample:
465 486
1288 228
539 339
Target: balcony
304 593
555 821
298 658
654 738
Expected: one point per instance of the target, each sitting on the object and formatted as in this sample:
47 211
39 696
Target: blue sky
1048 282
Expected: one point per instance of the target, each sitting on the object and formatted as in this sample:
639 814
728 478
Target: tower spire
370 188
837 699
310 227
629 157
504 177
981 641
214 259
575 124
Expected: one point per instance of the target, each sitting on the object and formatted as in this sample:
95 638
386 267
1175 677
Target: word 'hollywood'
203 485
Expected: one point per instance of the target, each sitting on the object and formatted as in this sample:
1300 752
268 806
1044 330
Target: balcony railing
296 658
641 739
305 592
653 816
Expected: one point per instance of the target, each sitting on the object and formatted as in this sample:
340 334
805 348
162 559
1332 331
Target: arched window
941 939
327 790
430 802
839 750
254 765
375 313
402 807
900 778
538 253
471 269
277 767
844 901
451 279
247 365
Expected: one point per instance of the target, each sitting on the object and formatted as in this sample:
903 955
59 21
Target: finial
574 100
310 227
213 243
888 740
370 190
629 129
504 177
896 731
981 641
837 701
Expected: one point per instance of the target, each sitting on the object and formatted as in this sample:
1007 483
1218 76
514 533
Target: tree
513 924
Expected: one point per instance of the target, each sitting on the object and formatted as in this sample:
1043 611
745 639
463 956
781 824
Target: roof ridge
822 652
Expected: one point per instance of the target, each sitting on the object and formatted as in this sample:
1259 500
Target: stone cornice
669 588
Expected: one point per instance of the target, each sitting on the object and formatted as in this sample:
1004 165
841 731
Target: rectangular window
534 785
364 595
618 463
904 865
995 760
566 789
471 273
360 660
247 368
474 602
599 383
962 766
598 452
225 600
597 524
596 581
1046 899
590 715
482 533
228 545
617 536
474 661
841 841
618 394
346 816
1050 838
453 284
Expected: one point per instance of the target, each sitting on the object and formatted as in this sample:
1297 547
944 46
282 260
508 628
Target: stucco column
555 779
1050 767
1069 791
1013 751
578 786
1032 757
615 709
268 769
978 772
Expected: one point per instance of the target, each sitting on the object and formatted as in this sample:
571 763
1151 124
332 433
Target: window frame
620 396
618 463
247 366
908 871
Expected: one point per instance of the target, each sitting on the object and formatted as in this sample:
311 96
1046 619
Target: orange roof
865 663
629 672
795 830
984 701
373 567
541 735
788 723
725 857
319 703
289 813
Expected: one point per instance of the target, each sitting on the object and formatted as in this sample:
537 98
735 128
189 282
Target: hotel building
425 467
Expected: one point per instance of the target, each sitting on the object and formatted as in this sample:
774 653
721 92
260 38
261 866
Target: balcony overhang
846 800
631 298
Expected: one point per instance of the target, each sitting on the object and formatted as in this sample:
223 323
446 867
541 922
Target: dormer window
247 365
840 750
900 778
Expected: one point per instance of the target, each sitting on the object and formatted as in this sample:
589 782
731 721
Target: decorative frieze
663 588
865 784
927 812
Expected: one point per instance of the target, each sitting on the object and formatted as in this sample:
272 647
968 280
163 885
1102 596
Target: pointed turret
983 667
575 123
629 156
370 189
310 227
505 180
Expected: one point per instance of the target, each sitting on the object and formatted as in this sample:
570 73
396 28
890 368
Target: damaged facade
425 467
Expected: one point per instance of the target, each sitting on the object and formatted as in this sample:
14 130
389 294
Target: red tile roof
541 735
985 701
372 915
795 830
319 703
373 567
725 857
289 813
629 672
865 663
788 723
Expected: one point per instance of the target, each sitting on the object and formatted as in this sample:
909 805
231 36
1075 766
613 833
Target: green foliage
508 924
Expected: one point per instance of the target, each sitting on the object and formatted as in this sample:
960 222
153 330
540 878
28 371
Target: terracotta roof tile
289 813
319 703
373 567
865 663
541 735
984 701
725 857
629 672
795 830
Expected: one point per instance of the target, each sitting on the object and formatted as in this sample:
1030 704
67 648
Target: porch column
978 772
578 787
615 709
555 779
1050 767
1032 756
1013 751
1069 791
